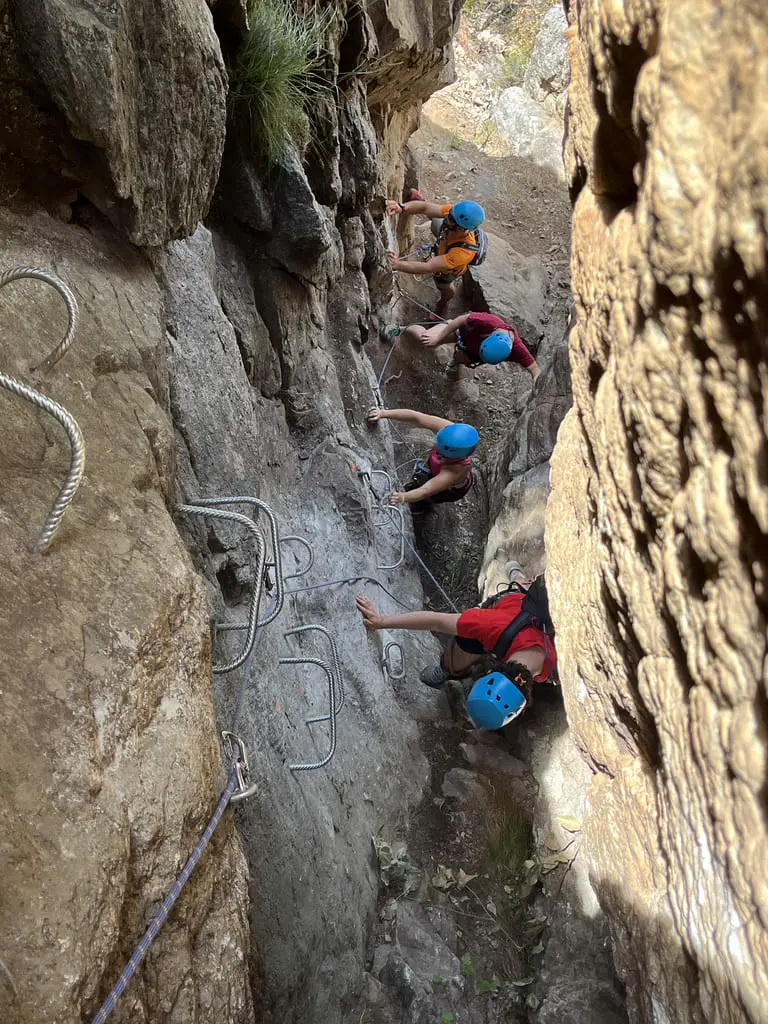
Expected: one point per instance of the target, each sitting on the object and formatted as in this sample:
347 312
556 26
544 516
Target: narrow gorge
602 858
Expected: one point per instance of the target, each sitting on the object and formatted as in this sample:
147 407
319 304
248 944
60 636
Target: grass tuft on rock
275 76
509 833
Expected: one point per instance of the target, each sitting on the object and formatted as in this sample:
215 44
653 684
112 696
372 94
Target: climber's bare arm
413 207
436 622
416 419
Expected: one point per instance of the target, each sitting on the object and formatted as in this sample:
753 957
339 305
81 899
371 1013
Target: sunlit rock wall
656 527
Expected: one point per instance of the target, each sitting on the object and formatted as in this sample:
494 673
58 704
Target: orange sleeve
445 210
458 259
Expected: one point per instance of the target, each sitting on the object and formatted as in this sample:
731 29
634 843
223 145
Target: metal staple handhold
310 552
389 509
387 478
59 413
253 610
334 656
386 663
330 717
258 504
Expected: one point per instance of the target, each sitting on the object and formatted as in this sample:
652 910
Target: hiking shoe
515 573
415 194
389 332
434 676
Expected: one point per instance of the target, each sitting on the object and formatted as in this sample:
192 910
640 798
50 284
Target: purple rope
161 916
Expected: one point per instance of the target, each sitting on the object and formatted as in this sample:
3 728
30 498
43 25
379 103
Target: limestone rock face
526 127
110 758
144 86
410 46
659 512
513 287
547 74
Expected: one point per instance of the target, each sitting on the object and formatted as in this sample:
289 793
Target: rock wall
530 116
110 763
227 361
656 529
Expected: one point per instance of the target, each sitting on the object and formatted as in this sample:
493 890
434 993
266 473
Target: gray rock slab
308 836
547 75
145 85
529 130
513 287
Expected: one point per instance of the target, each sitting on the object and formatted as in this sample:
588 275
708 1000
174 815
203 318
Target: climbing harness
238 788
386 660
59 413
330 717
258 586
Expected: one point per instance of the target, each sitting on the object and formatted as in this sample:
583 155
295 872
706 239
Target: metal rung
388 480
386 662
253 610
259 506
334 657
310 552
389 510
330 717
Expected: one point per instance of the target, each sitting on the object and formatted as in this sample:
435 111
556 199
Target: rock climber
447 474
478 338
456 247
513 626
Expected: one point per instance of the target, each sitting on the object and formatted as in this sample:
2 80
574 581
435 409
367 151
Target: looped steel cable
261 559
18 274
59 413
330 717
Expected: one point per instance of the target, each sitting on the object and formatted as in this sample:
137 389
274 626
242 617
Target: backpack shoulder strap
534 611
493 600
520 621
469 246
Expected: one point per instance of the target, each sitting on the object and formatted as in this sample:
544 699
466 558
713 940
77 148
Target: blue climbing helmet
456 441
496 347
494 701
468 215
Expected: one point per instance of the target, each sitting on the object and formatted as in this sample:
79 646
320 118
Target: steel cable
59 413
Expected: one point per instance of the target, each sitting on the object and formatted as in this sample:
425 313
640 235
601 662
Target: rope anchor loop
237 755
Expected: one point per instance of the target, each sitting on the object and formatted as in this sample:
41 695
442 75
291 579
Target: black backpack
480 248
534 611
